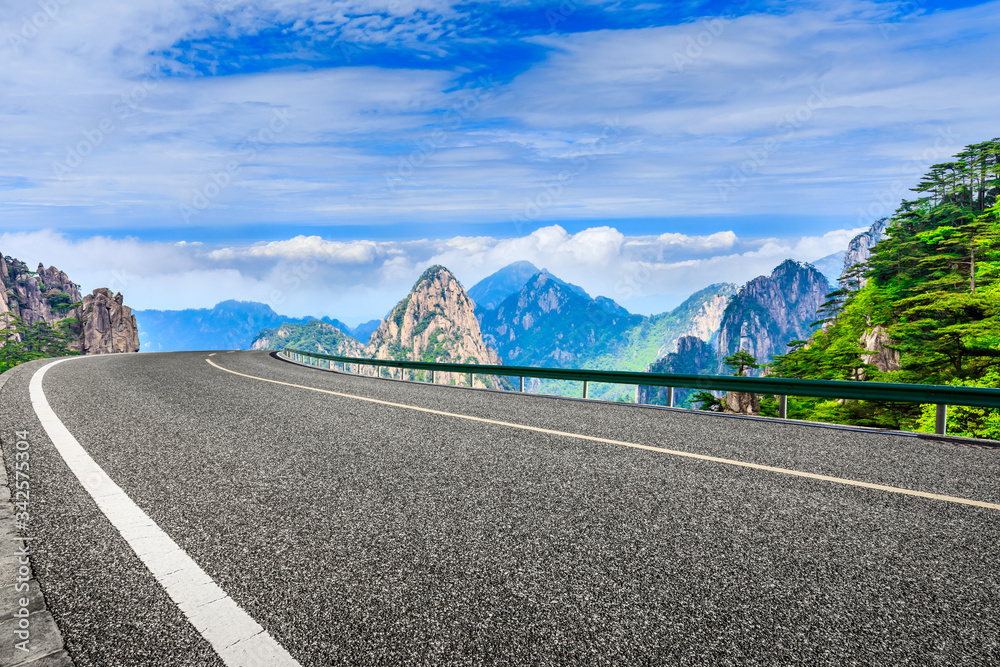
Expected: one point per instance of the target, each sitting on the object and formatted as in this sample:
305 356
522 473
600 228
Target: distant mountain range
229 325
524 315
549 323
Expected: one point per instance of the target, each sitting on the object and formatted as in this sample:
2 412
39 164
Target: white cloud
686 127
308 247
360 280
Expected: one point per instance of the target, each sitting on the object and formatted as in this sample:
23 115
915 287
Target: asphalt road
360 533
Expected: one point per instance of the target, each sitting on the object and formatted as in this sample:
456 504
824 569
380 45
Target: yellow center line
634 445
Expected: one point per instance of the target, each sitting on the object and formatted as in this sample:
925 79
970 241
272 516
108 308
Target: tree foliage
20 342
934 287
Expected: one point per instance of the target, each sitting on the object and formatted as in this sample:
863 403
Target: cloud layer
184 112
360 280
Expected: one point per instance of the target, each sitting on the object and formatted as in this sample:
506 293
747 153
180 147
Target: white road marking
238 639
634 445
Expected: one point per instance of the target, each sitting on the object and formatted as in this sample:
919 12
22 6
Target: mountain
692 356
435 322
311 336
771 311
762 317
652 338
363 332
98 323
831 266
491 291
929 311
547 323
859 251
230 325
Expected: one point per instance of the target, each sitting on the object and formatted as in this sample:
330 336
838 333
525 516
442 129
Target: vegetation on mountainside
934 287
20 343
311 336
600 340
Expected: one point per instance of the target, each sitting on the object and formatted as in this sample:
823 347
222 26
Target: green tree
933 286
740 362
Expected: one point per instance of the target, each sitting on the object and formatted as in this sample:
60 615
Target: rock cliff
762 317
705 322
108 324
880 351
860 248
100 322
771 311
692 355
435 322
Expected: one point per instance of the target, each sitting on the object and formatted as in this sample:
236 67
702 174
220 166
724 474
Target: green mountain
311 336
924 308
548 324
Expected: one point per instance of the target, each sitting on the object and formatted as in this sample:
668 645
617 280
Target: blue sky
318 155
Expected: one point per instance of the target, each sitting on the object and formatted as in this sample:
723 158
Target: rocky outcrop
99 323
741 403
437 323
692 356
860 248
879 350
705 323
44 295
108 324
771 311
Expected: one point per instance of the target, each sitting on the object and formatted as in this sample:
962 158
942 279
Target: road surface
361 521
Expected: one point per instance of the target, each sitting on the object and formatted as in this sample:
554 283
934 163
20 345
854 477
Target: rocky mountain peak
435 322
860 248
493 290
771 311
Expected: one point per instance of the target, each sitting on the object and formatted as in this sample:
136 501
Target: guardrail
939 395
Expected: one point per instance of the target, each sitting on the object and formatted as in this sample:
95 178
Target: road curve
413 528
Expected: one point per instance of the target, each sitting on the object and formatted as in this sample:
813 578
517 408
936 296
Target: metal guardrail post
585 389
433 372
670 397
941 419
637 393
520 387
471 380
782 407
